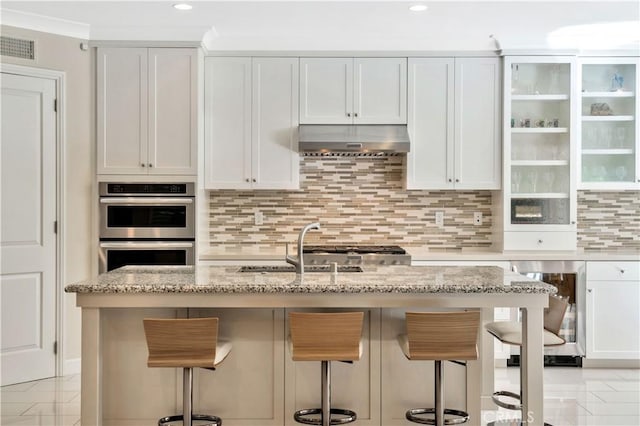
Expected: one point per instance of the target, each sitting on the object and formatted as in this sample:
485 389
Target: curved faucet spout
299 261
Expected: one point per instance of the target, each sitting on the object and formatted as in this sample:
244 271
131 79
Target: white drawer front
613 271
562 240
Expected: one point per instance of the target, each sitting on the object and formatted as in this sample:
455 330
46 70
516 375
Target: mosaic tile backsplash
608 220
357 201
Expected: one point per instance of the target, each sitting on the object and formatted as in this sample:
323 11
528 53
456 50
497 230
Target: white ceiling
337 25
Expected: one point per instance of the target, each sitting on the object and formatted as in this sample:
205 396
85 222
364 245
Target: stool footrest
300 416
215 421
412 416
506 405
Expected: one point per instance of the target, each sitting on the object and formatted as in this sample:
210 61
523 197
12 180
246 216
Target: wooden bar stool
325 337
510 332
185 343
440 336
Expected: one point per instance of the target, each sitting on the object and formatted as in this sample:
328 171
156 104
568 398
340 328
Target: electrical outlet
258 218
477 218
440 219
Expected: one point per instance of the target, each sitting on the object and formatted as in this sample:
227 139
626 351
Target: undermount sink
286 268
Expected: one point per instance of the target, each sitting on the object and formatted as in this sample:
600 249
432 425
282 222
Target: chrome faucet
299 262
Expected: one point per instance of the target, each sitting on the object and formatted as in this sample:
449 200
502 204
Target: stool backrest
554 314
189 342
326 336
443 335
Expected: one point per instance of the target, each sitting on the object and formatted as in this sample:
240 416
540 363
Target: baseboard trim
610 363
71 366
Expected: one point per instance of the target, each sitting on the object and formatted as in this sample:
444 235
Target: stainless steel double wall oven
146 224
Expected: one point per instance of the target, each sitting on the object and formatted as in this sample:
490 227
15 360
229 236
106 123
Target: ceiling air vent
17 48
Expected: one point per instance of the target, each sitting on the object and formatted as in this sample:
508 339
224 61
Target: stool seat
185 343
325 337
510 332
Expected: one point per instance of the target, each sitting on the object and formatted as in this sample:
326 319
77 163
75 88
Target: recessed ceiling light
418 8
183 6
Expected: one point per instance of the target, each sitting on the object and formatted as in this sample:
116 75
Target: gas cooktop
351 254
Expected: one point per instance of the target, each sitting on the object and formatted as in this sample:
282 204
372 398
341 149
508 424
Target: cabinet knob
457 180
573 222
254 180
143 165
348 114
450 180
150 165
355 114
590 290
247 179
540 241
622 271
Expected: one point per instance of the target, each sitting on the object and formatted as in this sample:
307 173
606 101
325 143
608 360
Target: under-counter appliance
146 224
355 255
569 277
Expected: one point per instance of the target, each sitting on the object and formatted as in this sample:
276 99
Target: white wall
64 54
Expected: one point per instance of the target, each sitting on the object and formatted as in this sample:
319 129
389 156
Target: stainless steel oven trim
104 247
103 190
159 233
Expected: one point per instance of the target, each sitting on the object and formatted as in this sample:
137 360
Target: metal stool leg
325 412
187 415
439 411
326 393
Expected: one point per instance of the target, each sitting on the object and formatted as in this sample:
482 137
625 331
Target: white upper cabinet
540 117
251 119
353 90
609 145
147 111
454 123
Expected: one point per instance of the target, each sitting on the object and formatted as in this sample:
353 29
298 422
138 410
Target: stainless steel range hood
375 138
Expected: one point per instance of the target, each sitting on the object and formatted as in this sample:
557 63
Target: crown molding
45 24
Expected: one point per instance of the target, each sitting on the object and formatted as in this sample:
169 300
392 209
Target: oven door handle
140 200
150 244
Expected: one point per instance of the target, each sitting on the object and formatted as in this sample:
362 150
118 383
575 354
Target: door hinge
55 227
55 347
55 105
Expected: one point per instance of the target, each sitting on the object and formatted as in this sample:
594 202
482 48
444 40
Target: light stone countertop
276 253
374 280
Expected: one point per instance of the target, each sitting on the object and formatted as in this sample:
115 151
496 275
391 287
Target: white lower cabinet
613 310
251 121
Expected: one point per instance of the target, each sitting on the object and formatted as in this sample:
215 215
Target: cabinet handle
143 165
150 165
348 114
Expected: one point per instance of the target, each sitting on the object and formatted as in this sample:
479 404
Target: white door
380 94
275 159
326 91
478 156
227 132
28 241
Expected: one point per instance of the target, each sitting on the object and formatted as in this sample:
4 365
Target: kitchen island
258 384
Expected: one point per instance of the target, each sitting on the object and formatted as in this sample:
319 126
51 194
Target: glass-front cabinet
609 126
540 117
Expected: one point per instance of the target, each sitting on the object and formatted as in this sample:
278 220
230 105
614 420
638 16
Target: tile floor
573 396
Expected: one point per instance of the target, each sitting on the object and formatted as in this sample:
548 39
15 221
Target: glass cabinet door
539 139
608 139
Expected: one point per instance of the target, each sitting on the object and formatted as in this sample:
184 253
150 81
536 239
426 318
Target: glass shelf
554 195
540 97
615 94
607 151
540 163
539 130
608 118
